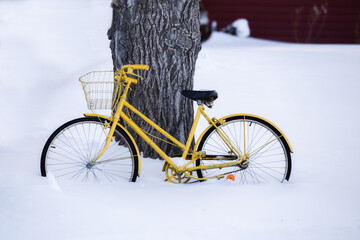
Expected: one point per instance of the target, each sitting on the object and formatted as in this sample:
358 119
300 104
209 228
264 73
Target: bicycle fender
123 128
223 119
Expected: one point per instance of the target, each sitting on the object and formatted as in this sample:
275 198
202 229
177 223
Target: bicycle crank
173 176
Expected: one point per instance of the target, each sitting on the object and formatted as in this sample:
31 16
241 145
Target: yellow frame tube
154 125
219 165
221 134
139 131
192 132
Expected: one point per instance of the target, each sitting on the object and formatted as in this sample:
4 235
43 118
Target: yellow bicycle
242 147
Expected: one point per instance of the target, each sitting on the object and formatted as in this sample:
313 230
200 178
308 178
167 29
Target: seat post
192 131
199 102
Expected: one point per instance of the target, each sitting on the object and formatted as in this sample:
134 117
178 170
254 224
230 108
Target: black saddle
206 97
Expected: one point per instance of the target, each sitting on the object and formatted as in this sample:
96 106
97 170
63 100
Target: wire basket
101 91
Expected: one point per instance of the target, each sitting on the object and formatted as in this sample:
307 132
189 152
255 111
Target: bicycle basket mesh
101 91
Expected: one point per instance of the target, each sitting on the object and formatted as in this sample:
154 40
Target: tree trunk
166 36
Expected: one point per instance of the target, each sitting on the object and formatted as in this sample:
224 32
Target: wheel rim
268 159
69 154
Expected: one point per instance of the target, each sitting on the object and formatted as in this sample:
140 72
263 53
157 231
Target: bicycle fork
110 135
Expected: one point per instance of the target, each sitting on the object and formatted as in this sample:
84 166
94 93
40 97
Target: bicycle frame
119 114
240 147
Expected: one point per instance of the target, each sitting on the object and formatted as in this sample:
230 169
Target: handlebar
130 69
135 67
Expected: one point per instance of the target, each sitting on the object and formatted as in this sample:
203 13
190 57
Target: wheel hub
244 164
89 165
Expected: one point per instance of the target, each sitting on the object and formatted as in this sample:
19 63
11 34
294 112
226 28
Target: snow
311 92
242 27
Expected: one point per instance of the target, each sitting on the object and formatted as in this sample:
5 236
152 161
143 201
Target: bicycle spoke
70 152
267 156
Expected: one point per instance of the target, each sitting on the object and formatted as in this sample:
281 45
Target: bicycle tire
271 159
73 145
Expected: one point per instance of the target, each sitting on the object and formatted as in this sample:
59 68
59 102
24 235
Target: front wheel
69 150
268 152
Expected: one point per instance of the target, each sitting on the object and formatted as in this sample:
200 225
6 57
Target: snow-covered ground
311 92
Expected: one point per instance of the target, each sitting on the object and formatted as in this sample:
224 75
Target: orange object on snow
230 176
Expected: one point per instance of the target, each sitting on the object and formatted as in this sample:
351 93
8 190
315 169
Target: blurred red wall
311 21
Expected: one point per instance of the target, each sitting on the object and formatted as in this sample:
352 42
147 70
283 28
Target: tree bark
165 35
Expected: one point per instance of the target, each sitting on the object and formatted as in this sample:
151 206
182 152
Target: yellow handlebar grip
136 66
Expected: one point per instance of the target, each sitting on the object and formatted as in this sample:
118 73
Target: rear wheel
69 150
268 153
